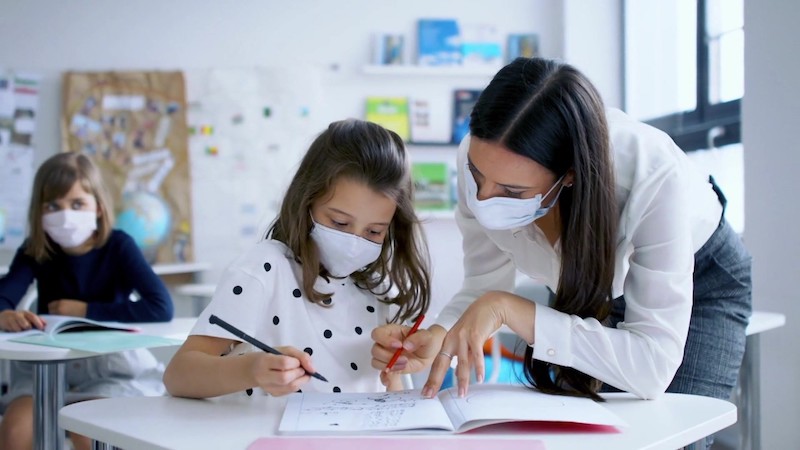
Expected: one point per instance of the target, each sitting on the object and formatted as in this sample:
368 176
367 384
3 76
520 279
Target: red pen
400 350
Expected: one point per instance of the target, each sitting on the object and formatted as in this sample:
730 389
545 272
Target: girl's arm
13 287
16 282
198 371
155 304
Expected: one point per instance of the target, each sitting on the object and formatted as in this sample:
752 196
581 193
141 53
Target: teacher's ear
569 178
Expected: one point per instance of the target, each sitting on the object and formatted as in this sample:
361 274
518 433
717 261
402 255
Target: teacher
651 286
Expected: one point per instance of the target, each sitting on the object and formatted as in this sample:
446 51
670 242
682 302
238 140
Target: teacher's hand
466 338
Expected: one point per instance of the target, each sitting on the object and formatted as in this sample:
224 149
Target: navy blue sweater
104 278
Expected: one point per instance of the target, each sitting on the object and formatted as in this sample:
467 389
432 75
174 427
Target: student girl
84 268
344 256
652 288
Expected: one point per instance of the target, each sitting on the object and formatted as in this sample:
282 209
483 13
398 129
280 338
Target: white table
48 376
161 269
235 421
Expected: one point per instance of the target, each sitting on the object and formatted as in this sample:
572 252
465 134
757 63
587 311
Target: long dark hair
551 113
368 153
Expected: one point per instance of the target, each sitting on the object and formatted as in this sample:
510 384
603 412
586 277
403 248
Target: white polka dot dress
261 294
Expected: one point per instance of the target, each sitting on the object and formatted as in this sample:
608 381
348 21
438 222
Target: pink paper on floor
450 442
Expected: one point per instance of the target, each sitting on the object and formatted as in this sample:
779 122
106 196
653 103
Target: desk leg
48 394
750 400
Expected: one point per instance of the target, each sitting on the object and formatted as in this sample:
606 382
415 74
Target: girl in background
83 268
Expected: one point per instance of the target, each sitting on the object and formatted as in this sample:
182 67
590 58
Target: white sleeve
244 310
643 353
486 267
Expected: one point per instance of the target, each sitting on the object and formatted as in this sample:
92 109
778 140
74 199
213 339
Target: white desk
670 422
48 376
161 269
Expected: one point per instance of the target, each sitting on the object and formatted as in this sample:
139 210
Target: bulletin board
133 126
248 130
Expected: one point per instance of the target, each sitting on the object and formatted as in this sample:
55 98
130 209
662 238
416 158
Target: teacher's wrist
519 314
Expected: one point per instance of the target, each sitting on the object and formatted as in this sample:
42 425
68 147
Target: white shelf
446 71
427 215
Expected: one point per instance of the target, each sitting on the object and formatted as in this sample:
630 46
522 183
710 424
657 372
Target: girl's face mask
70 228
343 253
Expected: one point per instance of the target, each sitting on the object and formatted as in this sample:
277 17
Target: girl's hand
12 320
74 308
281 374
465 340
392 380
419 349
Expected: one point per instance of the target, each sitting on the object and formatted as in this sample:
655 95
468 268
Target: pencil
400 350
214 320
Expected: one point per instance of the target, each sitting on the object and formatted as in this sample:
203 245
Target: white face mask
69 228
504 213
343 253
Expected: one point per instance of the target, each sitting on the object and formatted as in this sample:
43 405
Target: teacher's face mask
343 253
504 213
70 228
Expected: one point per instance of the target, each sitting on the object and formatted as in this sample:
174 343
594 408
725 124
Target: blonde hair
54 178
375 156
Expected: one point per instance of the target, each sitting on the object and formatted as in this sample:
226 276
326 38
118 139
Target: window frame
708 125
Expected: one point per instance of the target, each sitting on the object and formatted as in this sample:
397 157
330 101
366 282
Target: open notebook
326 413
80 333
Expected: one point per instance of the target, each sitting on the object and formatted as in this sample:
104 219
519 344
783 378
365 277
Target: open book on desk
406 411
80 333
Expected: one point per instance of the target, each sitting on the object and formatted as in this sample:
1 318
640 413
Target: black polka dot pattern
276 320
237 290
309 350
267 267
353 366
337 389
296 293
327 334
358 330
371 308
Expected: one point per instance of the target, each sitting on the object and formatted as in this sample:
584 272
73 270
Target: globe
145 217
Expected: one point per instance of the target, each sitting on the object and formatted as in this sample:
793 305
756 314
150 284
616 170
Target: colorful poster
133 125
19 99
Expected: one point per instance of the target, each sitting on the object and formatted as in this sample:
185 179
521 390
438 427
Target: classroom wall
51 37
772 161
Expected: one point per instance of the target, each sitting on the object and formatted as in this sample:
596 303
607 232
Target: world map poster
133 126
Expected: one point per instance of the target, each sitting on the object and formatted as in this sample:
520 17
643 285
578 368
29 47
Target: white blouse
261 294
667 209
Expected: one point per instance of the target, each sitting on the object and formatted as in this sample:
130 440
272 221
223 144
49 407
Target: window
684 68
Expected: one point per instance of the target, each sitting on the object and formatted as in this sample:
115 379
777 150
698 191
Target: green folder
98 341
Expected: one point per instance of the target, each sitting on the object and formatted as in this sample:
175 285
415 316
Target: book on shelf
481 45
429 120
311 413
525 45
463 102
438 42
431 185
388 49
80 333
391 113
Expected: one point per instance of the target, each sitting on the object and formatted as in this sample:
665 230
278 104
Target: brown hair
551 113
368 153
53 180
